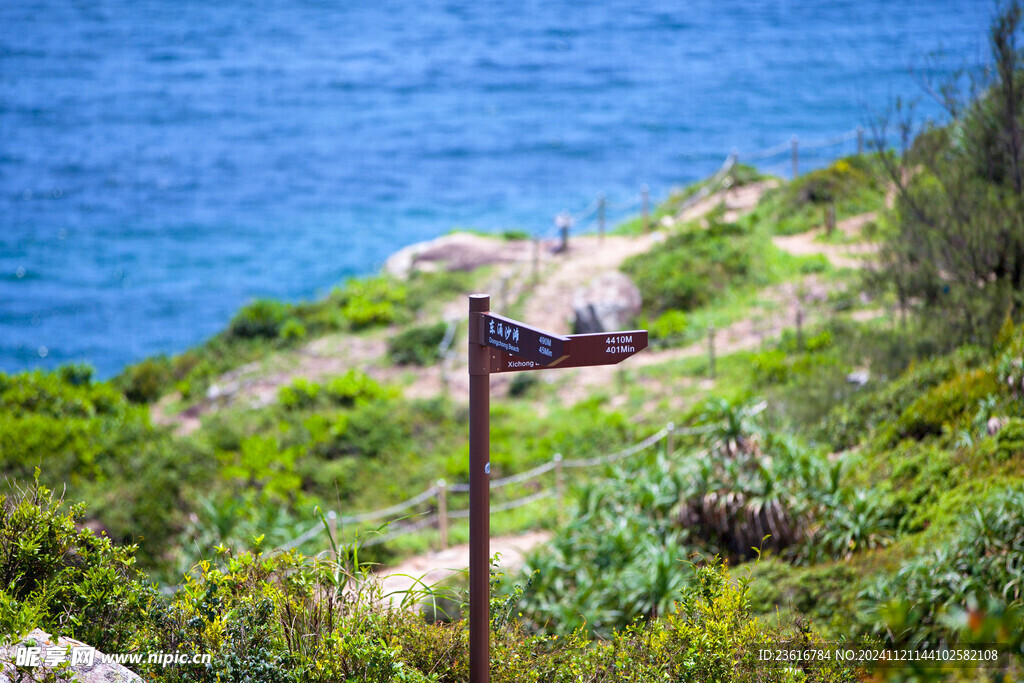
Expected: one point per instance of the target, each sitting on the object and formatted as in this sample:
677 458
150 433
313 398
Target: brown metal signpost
602 348
525 341
498 344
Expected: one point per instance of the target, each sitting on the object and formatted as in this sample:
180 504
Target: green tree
955 249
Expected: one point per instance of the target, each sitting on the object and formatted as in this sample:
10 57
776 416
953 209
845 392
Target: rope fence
439 515
595 214
391 511
615 457
596 211
429 520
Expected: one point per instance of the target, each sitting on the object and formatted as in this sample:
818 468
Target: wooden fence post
332 527
860 140
442 512
600 215
559 477
711 351
536 259
670 439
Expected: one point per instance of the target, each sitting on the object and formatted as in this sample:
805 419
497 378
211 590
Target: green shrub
417 345
849 423
522 384
978 568
620 557
293 331
946 405
185 388
755 491
770 367
52 395
262 464
66 447
372 301
344 390
286 618
319 317
842 178
90 439
851 522
801 378
374 429
77 375
823 594
355 386
243 520
300 394
66 580
819 342
691 268
668 325
146 381
707 635
813 264
65 428
1006 444
851 184
289 618
425 288
262 318
362 313
910 477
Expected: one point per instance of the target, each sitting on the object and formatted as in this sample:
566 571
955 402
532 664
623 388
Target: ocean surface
162 163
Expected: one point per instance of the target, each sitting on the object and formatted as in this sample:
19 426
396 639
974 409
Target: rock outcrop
458 251
43 657
610 302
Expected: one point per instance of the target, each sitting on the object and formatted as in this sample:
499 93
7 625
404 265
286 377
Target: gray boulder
610 302
459 251
63 659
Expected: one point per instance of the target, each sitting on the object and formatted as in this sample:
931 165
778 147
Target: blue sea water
162 162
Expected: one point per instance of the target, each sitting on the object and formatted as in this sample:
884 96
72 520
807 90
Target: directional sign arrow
603 348
522 340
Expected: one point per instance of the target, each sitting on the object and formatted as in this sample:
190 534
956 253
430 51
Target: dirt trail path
440 565
776 313
736 201
545 302
850 255
549 306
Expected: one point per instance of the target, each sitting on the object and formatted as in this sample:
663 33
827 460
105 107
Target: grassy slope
362 445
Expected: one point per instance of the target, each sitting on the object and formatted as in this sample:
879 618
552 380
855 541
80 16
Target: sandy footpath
442 564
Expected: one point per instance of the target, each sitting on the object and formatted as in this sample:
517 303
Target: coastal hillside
822 447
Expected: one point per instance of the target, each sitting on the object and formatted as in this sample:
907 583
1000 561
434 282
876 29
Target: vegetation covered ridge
877 498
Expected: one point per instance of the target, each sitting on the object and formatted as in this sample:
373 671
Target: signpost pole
500 344
479 494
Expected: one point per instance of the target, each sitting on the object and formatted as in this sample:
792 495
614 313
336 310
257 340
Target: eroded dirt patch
850 255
